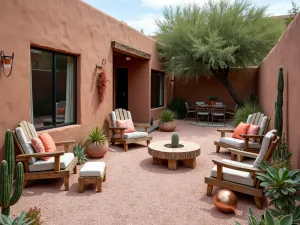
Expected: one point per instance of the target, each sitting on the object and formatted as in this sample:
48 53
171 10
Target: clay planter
167 126
212 102
96 151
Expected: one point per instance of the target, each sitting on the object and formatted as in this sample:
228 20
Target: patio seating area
137 191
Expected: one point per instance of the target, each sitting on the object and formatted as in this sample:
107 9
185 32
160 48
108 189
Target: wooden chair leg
99 184
104 178
258 202
80 184
148 142
209 189
217 148
125 147
75 169
186 115
25 183
112 143
66 183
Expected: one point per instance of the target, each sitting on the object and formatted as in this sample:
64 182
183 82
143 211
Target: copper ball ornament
225 201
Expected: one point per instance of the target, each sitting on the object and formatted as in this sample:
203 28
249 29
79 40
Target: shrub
243 112
213 98
79 151
19 220
97 136
167 116
34 214
178 106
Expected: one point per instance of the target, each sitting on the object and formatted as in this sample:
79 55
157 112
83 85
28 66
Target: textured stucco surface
67 26
138 192
243 81
287 54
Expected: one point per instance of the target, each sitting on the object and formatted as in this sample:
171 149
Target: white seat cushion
235 176
26 145
92 169
203 113
239 143
42 165
218 114
132 135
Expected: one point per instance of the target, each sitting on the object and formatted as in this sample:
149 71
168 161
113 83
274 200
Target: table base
172 164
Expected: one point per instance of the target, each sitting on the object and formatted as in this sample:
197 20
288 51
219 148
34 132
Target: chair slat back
203 108
218 109
122 114
18 143
186 105
28 130
256 118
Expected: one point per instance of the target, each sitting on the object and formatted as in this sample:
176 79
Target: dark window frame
157 84
54 53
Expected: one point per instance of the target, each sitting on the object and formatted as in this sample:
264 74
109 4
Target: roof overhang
124 49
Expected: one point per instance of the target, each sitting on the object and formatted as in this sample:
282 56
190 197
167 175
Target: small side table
92 172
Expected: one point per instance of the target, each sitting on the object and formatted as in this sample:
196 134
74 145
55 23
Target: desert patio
138 192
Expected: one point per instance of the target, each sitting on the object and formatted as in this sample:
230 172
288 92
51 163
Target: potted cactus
96 144
167 120
175 141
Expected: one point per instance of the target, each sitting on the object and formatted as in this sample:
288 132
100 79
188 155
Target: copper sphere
225 201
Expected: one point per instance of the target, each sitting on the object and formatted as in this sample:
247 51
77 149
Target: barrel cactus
7 170
175 141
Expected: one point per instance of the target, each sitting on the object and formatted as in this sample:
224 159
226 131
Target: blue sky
141 14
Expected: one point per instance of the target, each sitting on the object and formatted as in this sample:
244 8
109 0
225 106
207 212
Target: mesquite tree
209 40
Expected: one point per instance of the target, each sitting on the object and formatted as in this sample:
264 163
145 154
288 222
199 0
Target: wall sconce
127 58
7 62
101 68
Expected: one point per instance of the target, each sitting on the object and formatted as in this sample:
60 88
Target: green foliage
97 136
34 214
19 220
178 106
175 140
252 97
7 172
211 39
268 219
167 116
292 12
282 155
243 112
213 98
281 187
79 151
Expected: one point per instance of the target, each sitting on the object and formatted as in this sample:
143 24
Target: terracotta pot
96 151
167 126
212 102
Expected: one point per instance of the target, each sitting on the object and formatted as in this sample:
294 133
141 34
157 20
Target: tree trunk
222 76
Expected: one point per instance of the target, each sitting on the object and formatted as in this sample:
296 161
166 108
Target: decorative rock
225 201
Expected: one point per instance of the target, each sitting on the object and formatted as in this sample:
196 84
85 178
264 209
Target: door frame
115 88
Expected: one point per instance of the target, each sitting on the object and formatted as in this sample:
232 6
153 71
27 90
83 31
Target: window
53 89
157 89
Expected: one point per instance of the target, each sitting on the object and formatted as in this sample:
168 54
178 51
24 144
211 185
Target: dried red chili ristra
102 84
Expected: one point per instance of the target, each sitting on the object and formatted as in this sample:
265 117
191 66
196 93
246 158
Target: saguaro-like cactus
175 140
7 169
279 103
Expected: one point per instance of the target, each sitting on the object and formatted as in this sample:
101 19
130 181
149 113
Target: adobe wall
287 54
66 26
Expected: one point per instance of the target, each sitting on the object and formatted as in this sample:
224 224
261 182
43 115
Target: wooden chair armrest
62 143
116 128
141 125
23 157
247 136
226 130
242 153
239 168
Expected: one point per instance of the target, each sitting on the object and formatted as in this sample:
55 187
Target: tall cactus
175 141
7 169
279 103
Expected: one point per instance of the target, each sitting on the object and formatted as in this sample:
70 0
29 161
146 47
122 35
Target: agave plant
96 136
167 116
79 151
268 219
19 220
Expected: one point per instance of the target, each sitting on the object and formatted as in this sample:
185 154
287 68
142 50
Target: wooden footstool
92 172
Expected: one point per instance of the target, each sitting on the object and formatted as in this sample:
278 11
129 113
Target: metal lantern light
7 62
101 68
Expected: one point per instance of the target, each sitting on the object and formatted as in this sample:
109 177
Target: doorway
121 88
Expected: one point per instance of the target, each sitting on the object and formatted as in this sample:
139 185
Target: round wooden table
187 153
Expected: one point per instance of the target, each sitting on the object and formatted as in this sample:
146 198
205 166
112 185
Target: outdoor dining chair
190 109
200 103
218 111
203 110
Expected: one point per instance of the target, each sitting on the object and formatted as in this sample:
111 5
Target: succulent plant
175 140
79 151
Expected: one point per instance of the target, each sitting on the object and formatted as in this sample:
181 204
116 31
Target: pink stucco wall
287 54
77 28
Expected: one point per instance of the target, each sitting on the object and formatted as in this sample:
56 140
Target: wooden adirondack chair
246 144
241 177
118 135
60 165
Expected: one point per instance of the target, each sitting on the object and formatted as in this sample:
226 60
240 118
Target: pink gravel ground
138 192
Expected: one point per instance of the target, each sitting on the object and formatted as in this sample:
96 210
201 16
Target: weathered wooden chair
60 165
245 144
118 135
218 111
190 109
203 111
241 177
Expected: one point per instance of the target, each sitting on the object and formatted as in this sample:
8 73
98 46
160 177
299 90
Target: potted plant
212 100
167 120
96 143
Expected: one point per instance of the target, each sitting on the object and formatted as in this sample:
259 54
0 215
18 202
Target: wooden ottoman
92 172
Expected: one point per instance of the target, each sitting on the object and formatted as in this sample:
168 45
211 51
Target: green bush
97 136
79 151
178 106
243 112
19 220
167 116
34 214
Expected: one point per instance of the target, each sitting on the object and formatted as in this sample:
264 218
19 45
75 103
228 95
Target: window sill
160 107
67 126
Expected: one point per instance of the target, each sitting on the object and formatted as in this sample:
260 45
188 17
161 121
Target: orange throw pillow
38 146
48 142
128 124
242 128
253 130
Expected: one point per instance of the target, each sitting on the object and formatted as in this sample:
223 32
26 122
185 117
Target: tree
292 12
210 40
